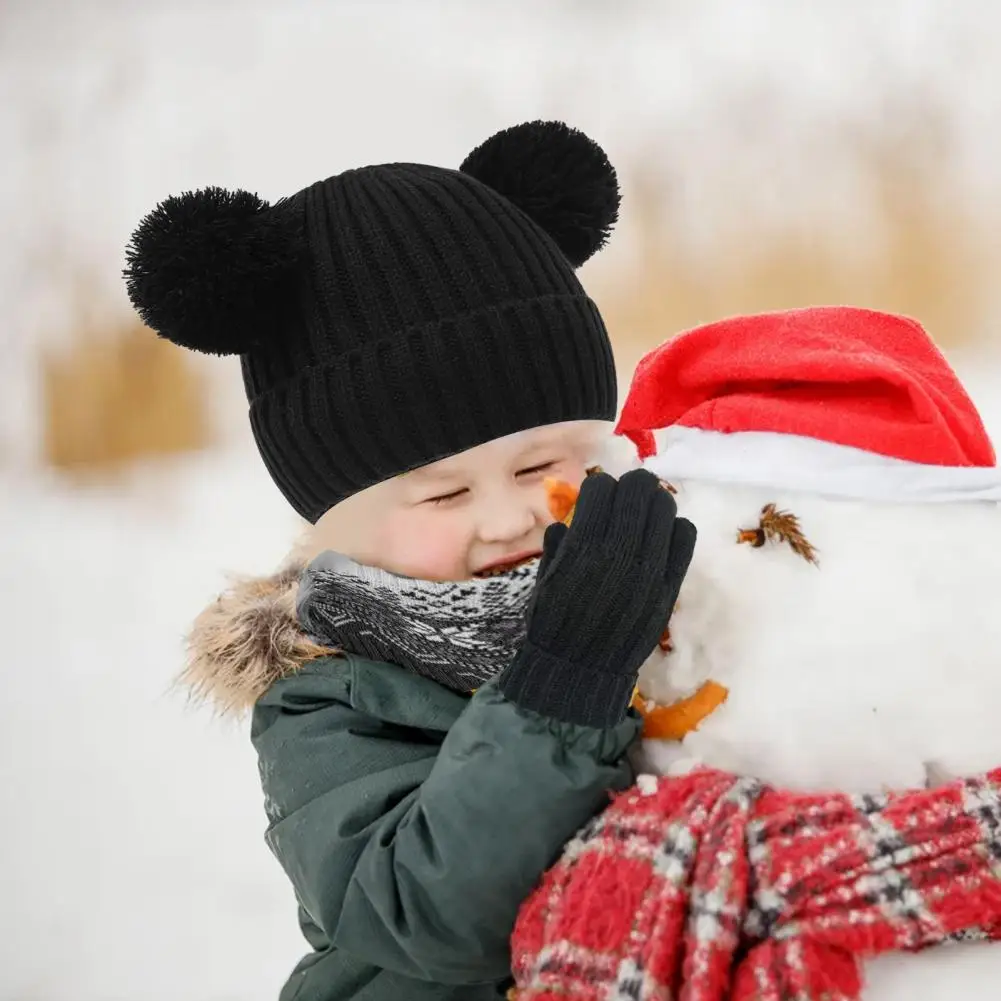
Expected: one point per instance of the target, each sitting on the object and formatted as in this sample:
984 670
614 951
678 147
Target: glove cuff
569 693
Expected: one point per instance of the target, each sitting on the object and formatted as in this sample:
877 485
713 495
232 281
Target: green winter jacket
411 821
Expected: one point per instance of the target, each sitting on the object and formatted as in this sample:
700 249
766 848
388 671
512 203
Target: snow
863 674
133 860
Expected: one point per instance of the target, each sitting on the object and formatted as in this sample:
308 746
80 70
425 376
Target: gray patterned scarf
458 633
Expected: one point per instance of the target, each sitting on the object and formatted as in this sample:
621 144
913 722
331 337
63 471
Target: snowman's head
877 665
844 597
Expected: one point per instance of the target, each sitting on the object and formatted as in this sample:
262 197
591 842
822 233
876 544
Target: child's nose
504 523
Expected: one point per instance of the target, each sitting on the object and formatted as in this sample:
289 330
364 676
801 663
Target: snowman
822 821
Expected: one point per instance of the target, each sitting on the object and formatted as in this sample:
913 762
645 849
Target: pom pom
556 175
209 270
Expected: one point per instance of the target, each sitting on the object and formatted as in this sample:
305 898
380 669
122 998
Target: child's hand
607 584
605 591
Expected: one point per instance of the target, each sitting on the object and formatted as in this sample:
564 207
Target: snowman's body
877 668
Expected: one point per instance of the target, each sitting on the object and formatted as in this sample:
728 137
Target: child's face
461 516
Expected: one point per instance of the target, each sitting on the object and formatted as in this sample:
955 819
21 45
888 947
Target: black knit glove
605 591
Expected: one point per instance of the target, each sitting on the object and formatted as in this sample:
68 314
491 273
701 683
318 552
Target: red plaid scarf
710 887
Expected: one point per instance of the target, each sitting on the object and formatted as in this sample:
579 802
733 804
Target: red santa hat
835 400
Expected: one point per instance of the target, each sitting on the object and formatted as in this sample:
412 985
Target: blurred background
772 153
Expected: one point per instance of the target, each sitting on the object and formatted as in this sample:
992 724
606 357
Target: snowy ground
131 853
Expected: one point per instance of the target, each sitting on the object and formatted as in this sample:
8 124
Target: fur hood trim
246 640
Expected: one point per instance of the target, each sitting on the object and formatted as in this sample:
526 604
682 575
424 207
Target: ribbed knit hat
394 314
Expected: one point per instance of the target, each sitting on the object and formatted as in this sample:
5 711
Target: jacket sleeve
411 853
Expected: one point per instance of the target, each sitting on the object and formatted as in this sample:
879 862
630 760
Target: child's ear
208 269
558 177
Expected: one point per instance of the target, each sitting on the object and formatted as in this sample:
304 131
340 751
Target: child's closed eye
446 498
529 473
542 467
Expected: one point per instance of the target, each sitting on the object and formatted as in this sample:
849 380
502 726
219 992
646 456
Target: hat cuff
809 465
433 391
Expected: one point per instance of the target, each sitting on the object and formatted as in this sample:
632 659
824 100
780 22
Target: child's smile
508 563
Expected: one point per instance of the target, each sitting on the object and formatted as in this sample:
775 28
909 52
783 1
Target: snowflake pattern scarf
458 633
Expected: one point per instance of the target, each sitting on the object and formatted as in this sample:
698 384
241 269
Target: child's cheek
425 543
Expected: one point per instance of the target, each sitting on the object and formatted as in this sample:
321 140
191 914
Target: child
418 354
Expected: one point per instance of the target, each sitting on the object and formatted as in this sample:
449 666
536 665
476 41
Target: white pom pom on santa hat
833 400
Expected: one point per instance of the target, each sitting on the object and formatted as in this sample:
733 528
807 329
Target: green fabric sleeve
412 821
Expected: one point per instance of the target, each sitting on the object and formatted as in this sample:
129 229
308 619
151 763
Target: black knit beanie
394 314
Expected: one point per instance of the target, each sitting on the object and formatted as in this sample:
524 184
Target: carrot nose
560 498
